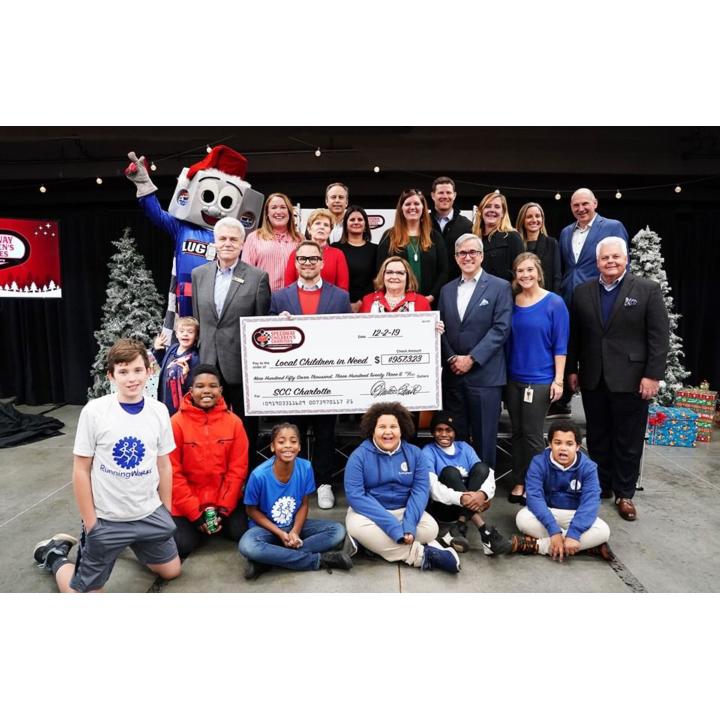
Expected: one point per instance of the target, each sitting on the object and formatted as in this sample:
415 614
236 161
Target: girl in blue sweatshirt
563 499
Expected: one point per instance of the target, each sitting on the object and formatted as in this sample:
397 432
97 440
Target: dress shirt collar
613 284
577 227
231 268
472 279
310 288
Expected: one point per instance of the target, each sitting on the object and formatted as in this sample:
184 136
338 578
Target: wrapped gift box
672 426
702 401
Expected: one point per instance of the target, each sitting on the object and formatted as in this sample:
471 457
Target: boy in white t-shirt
122 478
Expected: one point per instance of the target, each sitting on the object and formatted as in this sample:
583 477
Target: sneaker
253 569
334 559
47 551
326 498
602 551
493 542
457 541
349 546
437 557
524 544
558 410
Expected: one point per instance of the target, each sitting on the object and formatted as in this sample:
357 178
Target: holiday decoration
29 259
702 401
671 426
132 308
647 261
207 191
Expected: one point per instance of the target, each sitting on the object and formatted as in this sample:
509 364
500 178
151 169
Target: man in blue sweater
563 499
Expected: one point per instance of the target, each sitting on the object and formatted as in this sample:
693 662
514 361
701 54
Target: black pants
616 436
188 538
323 454
234 397
451 477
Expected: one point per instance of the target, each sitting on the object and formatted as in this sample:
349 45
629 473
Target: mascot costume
207 191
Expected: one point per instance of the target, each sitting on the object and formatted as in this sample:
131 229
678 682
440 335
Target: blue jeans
318 536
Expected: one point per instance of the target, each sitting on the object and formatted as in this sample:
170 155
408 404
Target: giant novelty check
340 363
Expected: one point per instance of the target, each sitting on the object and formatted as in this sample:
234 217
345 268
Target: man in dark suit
446 219
577 254
223 292
476 309
310 295
619 341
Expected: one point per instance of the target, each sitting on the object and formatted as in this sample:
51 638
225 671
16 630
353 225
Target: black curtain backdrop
48 345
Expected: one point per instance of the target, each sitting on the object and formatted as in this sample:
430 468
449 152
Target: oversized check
340 363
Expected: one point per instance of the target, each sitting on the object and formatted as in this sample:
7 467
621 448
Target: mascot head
215 188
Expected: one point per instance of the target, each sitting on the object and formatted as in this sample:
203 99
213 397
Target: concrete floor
668 549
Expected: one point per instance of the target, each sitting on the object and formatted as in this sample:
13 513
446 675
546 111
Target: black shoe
493 542
335 559
517 499
454 539
558 410
46 552
253 569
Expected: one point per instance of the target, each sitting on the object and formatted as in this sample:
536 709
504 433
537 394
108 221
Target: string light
558 196
208 149
376 169
678 189
318 153
153 166
618 194
43 189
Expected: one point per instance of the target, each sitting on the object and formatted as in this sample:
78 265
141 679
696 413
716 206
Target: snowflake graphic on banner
283 510
128 452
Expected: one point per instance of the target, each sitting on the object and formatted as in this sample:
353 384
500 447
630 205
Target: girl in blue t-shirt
276 501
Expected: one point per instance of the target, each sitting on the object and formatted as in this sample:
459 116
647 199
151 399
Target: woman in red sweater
395 290
335 269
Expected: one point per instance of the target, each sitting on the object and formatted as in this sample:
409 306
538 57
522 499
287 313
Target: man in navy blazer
476 309
577 258
619 341
310 295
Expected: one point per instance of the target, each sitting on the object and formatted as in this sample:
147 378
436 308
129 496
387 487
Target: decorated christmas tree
132 308
647 261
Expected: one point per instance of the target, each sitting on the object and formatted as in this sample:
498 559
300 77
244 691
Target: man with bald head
577 258
619 341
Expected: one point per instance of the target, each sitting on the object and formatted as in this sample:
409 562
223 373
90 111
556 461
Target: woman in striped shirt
269 247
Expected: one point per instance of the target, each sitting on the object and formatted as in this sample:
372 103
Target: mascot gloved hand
207 191
138 172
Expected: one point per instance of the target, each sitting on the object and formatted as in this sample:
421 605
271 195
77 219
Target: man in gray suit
619 340
223 292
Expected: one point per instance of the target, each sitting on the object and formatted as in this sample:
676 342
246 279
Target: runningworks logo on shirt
283 511
128 452
575 485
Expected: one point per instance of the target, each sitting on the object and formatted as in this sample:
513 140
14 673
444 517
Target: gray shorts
151 539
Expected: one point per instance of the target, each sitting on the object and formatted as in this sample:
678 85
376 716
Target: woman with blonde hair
531 226
269 247
536 353
413 238
501 242
335 269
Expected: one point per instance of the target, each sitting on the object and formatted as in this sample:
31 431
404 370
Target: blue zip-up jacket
577 488
377 481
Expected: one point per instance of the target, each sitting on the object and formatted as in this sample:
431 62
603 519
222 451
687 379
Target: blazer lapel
477 295
324 299
588 248
625 288
237 279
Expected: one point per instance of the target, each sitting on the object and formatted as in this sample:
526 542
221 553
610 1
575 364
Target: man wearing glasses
223 292
476 309
310 295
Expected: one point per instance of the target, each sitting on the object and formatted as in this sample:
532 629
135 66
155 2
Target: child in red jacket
209 463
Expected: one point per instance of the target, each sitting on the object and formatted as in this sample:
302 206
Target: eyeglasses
468 253
308 259
395 272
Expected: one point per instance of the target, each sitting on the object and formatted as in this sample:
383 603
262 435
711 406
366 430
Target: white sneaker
326 499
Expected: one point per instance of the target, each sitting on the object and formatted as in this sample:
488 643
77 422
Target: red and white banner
29 258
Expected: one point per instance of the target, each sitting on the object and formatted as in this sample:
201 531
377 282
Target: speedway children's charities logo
278 339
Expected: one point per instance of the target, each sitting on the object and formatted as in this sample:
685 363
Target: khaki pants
368 534
597 534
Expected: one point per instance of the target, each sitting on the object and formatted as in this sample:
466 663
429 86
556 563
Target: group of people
523 317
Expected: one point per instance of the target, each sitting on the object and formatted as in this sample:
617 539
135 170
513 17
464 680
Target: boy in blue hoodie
563 499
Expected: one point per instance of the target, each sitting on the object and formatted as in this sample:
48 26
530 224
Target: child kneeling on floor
563 499
276 501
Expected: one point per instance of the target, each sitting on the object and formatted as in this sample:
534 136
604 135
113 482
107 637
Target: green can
211 519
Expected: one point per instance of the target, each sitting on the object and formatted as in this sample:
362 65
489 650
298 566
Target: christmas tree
132 308
647 261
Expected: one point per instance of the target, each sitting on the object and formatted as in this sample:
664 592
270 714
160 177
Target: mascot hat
222 158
